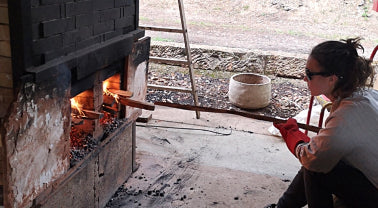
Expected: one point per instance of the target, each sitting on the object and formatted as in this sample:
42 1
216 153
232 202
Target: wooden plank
137 103
114 165
5 49
5 65
135 75
98 99
4 32
162 29
173 61
6 80
122 93
4 15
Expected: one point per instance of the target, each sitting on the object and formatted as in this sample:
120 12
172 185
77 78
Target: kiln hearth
62 52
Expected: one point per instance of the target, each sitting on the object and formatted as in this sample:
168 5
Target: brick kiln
72 83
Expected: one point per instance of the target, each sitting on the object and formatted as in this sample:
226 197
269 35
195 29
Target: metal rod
309 112
240 113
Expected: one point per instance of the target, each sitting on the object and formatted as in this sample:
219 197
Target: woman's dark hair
340 58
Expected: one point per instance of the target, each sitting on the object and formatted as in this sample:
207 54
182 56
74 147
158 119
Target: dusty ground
271 25
220 160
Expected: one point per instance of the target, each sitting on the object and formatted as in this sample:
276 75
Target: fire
75 104
107 92
105 86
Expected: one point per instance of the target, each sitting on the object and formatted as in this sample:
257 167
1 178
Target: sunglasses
310 74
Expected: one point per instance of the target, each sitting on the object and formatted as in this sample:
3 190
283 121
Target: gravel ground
289 96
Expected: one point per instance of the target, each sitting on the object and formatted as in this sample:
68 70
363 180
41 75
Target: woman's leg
294 196
344 181
351 186
317 193
316 189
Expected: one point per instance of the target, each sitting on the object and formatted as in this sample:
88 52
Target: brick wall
84 36
6 81
60 27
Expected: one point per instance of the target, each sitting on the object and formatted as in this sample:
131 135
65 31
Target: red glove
291 134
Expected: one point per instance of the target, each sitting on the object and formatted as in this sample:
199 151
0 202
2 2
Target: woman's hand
291 134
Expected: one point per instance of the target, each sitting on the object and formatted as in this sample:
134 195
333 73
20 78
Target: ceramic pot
250 90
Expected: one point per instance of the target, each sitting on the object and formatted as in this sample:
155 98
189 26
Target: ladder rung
162 29
168 61
169 88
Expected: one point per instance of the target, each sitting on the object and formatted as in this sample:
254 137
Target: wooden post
97 103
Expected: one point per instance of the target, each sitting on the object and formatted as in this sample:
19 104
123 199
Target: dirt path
275 25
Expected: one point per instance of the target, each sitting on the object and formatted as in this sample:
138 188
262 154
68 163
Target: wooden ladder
188 62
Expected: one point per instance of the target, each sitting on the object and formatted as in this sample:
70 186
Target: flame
107 92
105 86
75 104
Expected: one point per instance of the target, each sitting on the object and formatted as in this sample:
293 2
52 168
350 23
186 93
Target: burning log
110 109
86 114
76 108
92 114
124 98
109 101
121 93
137 103
76 121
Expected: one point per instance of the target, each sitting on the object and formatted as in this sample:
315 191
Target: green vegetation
365 13
162 39
214 74
141 18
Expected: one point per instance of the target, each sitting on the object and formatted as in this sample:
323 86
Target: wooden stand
187 62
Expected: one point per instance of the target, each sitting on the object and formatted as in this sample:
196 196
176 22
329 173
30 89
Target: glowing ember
107 92
75 105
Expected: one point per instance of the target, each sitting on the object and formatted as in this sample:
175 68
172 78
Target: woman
342 160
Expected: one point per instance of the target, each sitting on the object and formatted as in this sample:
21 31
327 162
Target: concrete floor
219 160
